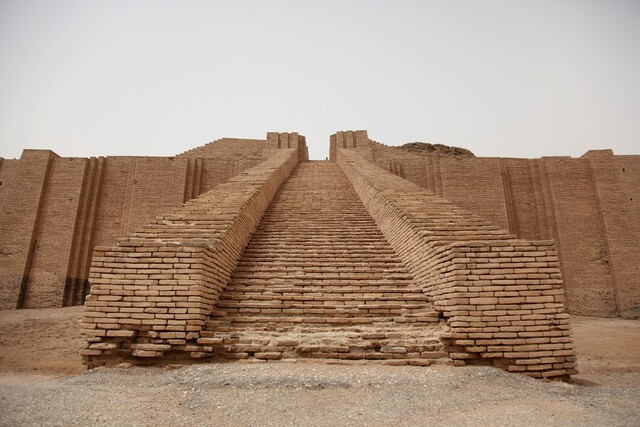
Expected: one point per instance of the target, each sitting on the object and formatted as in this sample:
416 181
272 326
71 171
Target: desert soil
43 382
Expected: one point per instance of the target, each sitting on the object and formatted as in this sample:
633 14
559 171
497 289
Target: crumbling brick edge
502 297
152 293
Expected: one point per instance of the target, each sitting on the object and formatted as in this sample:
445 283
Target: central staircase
318 279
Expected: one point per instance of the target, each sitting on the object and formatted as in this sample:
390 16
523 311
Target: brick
146 353
268 355
483 301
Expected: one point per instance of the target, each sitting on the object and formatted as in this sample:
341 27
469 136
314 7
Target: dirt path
42 382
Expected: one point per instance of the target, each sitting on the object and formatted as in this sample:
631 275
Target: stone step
327 260
377 341
339 294
326 303
306 311
277 319
318 279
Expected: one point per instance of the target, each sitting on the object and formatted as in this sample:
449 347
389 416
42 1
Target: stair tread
318 257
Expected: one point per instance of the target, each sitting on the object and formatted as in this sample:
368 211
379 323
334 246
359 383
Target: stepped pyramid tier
338 260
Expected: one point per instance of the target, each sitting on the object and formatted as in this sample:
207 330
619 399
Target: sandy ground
42 382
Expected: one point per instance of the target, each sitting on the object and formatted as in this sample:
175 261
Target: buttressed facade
245 249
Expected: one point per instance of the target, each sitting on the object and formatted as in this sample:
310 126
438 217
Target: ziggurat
245 249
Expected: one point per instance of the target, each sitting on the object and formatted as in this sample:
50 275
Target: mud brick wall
228 147
629 169
56 223
129 193
278 140
54 210
354 140
19 216
425 217
505 304
153 291
620 226
7 173
588 206
502 297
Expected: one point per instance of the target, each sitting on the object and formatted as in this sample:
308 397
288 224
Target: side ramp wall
502 297
152 293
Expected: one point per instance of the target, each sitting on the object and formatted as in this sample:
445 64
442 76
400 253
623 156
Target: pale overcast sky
502 78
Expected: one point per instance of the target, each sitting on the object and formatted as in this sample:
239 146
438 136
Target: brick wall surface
527 208
55 210
502 297
276 141
629 166
578 229
586 205
18 221
76 284
54 230
151 294
142 200
479 183
621 231
355 140
228 147
7 174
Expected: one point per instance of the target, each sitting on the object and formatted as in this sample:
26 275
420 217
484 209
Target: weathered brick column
152 293
502 297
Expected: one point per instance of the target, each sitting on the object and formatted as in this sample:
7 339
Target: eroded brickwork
349 262
53 211
630 178
588 206
502 297
243 249
152 293
21 214
229 147
318 279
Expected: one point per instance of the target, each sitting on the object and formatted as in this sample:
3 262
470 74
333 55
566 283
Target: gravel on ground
43 383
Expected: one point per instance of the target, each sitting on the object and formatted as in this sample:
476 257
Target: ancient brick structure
54 211
590 206
244 249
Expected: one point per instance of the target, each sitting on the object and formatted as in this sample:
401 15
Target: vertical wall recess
76 284
508 194
193 181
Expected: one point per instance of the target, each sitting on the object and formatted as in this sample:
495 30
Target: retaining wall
152 293
502 297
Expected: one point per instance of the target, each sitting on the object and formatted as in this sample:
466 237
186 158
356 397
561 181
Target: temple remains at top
243 249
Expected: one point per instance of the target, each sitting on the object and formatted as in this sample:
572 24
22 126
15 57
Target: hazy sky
501 78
